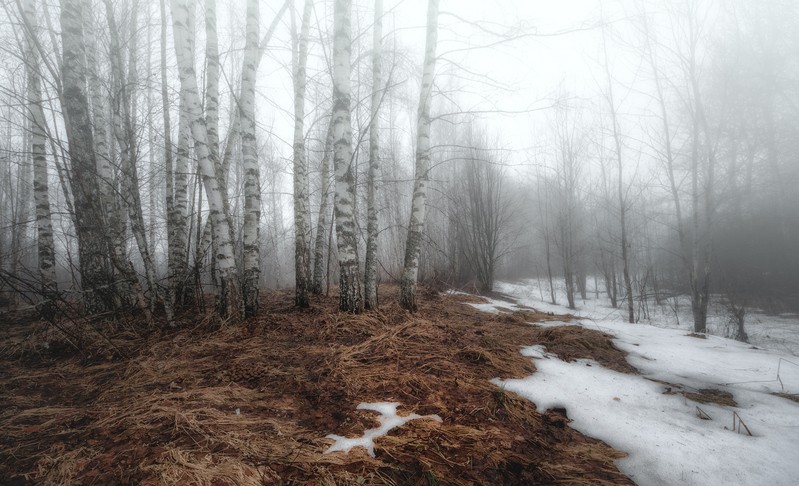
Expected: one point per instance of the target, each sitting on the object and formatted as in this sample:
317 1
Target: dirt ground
213 403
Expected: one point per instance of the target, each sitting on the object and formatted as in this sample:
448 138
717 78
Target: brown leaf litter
251 403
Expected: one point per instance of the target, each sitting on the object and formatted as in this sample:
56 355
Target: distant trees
483 214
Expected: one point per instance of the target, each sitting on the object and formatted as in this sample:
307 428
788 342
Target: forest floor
216 403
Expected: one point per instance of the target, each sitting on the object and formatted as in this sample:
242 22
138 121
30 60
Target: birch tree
416 225
212 82
349 279
370 271
252 175
36 120
175 273
123 123
302 214
324 209
96 278
229 299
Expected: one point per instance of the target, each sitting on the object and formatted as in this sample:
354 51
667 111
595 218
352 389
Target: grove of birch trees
160 156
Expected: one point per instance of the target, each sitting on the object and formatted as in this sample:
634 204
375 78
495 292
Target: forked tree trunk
349 279
302 214
123 115
44 226
370 270
229 303
234 132
252 174
321 222
416 225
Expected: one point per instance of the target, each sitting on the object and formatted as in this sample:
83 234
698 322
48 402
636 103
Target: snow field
667 441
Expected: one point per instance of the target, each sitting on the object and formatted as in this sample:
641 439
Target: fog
640 149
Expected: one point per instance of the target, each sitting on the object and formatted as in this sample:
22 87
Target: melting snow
667 442
388 420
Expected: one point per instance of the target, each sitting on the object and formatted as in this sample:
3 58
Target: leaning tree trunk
96 277
321 222
349 278
302 215
370 270
229 302
44 225
252 174
416 225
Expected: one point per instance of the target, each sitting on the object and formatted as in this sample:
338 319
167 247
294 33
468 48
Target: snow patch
667 440
388 420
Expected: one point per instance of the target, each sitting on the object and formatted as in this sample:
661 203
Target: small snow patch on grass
388 420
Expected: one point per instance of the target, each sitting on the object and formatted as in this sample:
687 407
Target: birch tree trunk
107 178
370 270
229 302
349 279
173 280
321 223
212 112
212 81
302 214
252 173
234 131
41 196
96 277
177 176
416 225
123 115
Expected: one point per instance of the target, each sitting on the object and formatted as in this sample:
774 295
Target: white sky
532 70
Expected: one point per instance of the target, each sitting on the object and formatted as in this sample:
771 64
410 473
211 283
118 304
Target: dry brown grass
166 413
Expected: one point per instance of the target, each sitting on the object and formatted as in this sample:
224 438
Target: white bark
302 212
107 180
36 119
416 225
252 174
349 278
229 301
96 279
321 224
370 271
212 79
125 132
